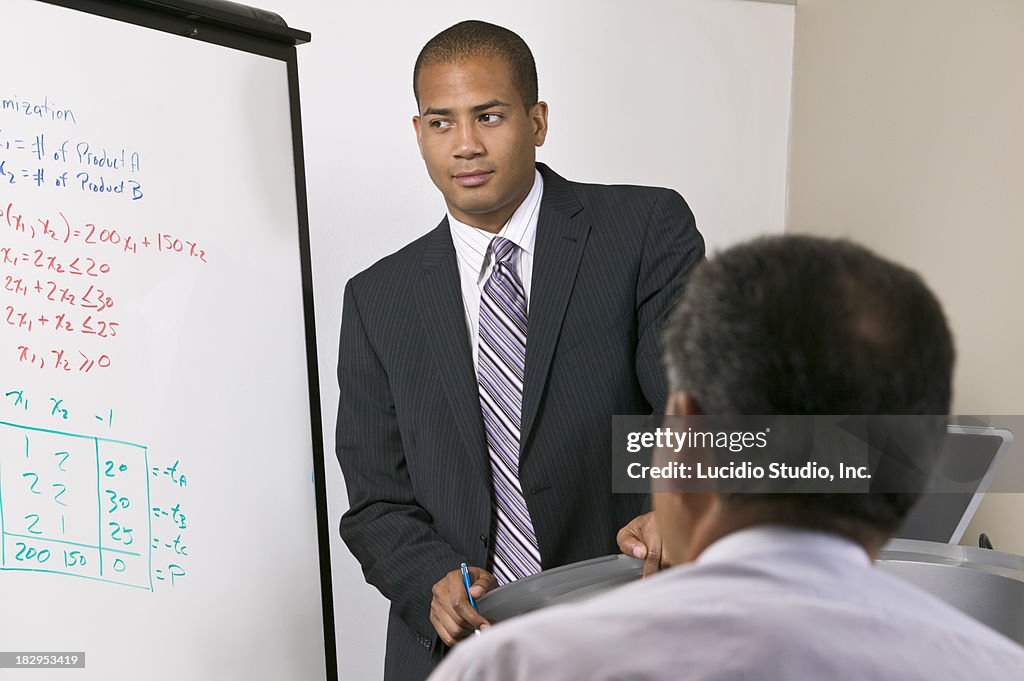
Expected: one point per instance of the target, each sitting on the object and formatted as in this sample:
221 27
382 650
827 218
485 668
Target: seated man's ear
682 404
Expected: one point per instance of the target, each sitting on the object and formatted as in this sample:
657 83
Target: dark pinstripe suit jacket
609 263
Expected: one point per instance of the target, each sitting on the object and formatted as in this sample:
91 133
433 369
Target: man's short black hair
805 325
474 38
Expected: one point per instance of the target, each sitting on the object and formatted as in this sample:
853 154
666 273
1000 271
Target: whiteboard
158 511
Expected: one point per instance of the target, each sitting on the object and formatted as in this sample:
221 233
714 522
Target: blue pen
465 580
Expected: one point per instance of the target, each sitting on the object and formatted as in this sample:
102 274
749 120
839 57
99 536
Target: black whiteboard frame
196 21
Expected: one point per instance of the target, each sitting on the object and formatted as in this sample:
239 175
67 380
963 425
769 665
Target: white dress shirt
476 261
765 604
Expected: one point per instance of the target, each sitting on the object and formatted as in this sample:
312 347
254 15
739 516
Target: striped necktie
501 365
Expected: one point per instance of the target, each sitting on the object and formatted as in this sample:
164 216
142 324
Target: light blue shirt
765 604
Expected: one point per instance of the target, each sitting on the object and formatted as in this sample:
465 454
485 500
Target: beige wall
908 136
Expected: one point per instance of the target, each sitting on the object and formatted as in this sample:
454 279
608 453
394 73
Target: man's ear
682 404
538 114
681 411
419 133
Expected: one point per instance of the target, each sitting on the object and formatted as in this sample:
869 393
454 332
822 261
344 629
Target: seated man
774 586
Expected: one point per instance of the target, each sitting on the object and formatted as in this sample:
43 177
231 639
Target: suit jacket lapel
559 248
444 322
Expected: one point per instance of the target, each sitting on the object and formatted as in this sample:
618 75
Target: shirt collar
471 244
750 543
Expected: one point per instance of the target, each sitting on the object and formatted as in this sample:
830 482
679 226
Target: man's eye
440 124
490 118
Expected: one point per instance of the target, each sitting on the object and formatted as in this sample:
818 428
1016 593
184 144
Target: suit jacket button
483 539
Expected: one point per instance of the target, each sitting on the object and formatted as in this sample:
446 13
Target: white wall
692 94
907 137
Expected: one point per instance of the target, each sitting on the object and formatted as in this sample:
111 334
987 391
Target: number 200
27 552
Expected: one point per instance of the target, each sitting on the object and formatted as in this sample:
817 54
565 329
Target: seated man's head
801 325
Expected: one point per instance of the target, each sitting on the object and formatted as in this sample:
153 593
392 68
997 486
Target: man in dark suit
462 433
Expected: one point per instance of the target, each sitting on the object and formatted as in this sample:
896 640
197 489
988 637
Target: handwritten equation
47 291
59 229
32 157
80 505
28 161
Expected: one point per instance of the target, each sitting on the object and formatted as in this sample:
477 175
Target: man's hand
640 538
450 612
